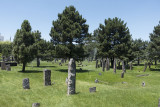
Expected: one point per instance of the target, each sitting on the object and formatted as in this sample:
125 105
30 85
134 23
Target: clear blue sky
140 15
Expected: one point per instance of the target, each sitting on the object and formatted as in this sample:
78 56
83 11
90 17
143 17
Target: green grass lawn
110 91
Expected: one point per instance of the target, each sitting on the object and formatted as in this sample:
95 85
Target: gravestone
47 77
100 73
131 65
97 63
145 67
103 65
114 65
96 81
122 75
3 66
143 84
8 67
26 83
71 77
60 64
159 103
36 105
92 89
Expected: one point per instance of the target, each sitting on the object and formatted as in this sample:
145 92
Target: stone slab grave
100 73
142 75
26 83
36 105
159 102
3 66
8 67
47 77
96 81
71 87
92 89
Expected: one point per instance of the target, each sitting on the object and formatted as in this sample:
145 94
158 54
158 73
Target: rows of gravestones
71 80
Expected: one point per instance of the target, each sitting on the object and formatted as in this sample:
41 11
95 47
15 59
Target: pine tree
24 49
68 34
154 45
114 39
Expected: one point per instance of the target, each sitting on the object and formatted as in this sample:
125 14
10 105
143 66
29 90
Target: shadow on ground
42 66
31 71
152 69
77 70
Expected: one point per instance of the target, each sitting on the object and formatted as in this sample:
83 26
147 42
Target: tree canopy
114 39
24 50
68 34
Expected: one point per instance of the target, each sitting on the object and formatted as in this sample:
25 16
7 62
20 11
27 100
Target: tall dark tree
24 49
38 39
68 33
114 39
154 45
139 49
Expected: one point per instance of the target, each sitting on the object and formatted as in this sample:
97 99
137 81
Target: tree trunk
138 60
103 65
23 69
112 61
115 67
119 65
123 67
38 62
155 61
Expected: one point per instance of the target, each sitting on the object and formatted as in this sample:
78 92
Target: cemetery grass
110 91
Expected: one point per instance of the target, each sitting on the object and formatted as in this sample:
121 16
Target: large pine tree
23 45
68 34
154 45
114 39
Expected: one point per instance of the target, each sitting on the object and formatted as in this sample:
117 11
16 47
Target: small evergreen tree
24 49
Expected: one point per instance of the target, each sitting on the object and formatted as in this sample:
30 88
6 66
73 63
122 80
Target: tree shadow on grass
31 71
77 70
152 69
138 65
42 66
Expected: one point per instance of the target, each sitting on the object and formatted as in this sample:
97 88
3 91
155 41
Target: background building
1 37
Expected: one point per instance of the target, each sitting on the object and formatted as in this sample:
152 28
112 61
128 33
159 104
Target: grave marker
47 77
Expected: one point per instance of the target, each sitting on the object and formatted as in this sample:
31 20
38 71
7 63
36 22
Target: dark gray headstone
8 67
36 105
26 83
92 89
47 77
122 75
3 66
71 77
